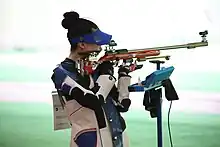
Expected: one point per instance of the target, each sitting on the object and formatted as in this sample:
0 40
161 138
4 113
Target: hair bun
70 19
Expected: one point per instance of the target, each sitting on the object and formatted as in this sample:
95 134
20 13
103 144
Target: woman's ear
82 45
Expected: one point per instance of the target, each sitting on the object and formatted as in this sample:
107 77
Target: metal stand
159 110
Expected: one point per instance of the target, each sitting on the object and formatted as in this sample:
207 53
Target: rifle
133 56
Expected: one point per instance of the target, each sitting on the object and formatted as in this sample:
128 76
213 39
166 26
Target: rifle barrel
188 46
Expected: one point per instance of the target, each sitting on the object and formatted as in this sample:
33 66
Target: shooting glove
124 80
105 80
123 71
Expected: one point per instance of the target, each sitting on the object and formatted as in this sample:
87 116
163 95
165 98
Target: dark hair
76 26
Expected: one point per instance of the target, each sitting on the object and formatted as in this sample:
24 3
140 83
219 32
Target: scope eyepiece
112 43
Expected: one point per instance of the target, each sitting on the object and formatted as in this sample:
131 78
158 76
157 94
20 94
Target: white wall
133 24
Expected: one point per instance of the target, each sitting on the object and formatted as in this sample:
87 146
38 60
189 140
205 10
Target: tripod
158 108
153 101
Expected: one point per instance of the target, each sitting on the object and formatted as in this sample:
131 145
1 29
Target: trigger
139 66
134 67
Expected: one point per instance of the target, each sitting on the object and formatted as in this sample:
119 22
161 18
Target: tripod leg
159 119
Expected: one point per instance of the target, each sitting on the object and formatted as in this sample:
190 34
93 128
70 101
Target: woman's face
86 48
92 47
